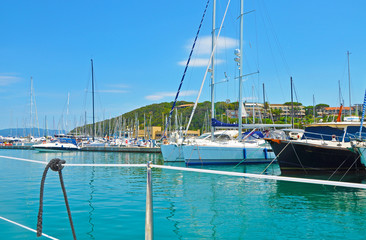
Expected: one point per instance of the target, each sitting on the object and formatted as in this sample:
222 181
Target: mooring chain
56 165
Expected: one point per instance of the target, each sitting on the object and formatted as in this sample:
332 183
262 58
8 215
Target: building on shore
156 133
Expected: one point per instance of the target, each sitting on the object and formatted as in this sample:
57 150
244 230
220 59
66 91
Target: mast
213 69
292 105
93 98
31 104
253 111
349 83
264 104
67 112
241 70
340 96
314 108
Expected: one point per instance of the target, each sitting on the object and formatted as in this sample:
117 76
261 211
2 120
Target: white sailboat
246 149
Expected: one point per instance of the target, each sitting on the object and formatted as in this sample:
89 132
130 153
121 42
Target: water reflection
171 218
90 201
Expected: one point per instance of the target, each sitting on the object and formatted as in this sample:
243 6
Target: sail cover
217 123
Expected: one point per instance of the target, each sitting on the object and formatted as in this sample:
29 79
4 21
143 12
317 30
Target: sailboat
329 147
172 150
249 147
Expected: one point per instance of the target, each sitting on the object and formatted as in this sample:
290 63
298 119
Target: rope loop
56 164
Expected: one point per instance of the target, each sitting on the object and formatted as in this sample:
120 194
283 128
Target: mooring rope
238 174
271 177
275 157
25 160
56 165
28 228
298 157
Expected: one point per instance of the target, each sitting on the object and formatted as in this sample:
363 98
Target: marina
187 205
198 120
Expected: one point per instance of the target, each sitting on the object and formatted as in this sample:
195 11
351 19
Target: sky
140 48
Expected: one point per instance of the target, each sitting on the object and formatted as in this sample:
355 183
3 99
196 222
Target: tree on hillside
295 104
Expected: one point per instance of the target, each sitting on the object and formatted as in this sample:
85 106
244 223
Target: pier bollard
149 206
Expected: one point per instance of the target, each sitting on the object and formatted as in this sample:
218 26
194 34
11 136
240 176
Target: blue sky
139 49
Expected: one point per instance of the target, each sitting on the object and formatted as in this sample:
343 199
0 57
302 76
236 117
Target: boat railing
322 136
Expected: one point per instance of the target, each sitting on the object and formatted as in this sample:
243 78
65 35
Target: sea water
109 202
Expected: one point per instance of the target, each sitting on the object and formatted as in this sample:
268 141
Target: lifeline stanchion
56 165
149 205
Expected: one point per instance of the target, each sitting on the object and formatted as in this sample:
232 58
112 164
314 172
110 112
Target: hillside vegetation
156 114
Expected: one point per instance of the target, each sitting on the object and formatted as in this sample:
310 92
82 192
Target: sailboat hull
172 152
311 158
208 155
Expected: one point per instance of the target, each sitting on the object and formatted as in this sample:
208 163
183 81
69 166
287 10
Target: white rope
102 165
25 160
25 227
249 175
272 177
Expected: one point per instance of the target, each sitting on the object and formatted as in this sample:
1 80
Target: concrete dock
100 149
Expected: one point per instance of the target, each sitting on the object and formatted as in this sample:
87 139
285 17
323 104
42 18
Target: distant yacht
61 144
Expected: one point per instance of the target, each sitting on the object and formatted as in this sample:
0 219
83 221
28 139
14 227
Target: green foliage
295 104
160 111
321 105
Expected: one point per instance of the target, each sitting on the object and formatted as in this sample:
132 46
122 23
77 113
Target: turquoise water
109 203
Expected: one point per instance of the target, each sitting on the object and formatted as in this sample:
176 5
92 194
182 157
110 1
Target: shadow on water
350 177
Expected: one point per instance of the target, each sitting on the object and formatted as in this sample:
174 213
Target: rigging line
208 65
298 157
277 40
185 70
275 158
350 167
337 168
256 38
25 227
273 56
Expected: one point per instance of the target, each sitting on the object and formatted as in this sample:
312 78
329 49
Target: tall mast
314 108
67 112
292 105
241 69
213 68
31 104
264 104
340 95
253 110
93 97
349 84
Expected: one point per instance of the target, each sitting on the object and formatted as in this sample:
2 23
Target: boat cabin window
203 136
222 137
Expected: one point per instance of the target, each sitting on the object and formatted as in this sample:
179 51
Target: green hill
158 114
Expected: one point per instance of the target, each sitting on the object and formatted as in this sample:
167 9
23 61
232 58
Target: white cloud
203 50
116 88
199 62
250 98
203 45
119 85
7 80
112 91
161 95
